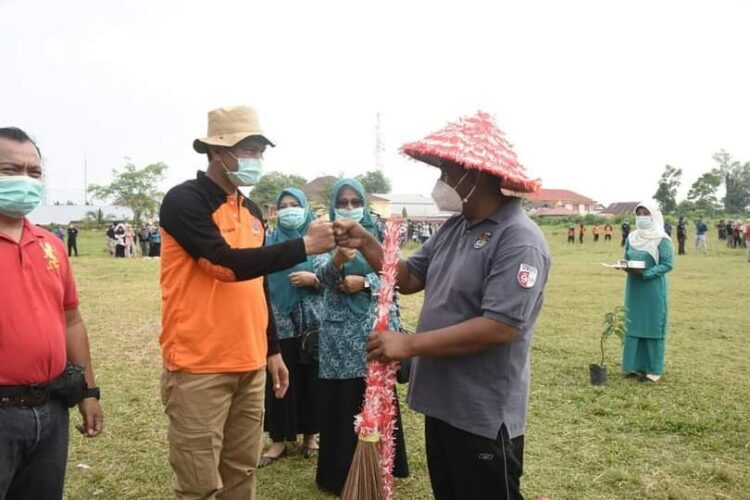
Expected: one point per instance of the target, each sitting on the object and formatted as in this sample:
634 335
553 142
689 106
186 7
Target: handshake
323 236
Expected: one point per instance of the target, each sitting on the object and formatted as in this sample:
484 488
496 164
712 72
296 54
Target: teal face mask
356 214
644 221
292 217
249 171
19 195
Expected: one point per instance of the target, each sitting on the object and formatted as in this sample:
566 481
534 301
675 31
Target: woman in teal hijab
296 302
350 290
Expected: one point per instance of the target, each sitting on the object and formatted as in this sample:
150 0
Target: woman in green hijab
350 290
296 302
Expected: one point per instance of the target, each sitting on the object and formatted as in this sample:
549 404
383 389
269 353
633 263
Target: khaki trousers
215 431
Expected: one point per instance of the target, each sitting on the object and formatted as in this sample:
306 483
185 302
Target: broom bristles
365 482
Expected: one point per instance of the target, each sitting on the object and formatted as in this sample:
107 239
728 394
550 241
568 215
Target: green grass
686 437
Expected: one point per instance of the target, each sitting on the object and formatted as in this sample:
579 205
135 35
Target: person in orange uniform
45 363
595 232
218 333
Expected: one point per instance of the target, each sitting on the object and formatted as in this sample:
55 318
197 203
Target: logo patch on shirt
256 227
482 240
527 275
49 254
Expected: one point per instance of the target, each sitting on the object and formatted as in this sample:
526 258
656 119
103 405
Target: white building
65 214
416 205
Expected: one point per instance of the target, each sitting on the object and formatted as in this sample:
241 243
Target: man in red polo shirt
41 331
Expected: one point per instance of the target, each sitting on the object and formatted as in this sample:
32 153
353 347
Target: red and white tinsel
378 416
475 142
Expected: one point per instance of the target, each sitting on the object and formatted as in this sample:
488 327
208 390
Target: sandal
266 460
308 452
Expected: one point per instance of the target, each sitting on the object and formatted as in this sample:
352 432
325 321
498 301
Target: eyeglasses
349 202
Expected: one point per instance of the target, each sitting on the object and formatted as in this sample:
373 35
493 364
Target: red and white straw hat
475 142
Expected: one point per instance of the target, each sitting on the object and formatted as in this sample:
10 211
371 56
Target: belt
23 396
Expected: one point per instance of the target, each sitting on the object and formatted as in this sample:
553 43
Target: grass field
686 437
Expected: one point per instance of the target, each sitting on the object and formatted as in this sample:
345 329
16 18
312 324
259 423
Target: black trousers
33 451
339 402
681 242
297 412
72 247
464 466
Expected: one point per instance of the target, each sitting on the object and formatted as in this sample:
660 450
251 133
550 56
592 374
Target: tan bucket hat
228 126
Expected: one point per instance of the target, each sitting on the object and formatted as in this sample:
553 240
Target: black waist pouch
70 387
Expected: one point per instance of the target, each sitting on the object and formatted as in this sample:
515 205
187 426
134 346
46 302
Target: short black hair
18 135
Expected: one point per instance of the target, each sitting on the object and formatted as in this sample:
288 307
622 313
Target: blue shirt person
700 236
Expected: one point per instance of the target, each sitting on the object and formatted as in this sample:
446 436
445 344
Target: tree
98 218
322 197
133 188
703 191
271 184
741 191
375 182
666 194
685 207
736 178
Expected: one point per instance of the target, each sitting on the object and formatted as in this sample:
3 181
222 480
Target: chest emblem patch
257 228
50 256
527 275
482 240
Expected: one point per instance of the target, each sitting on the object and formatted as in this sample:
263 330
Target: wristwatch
366 284
92 392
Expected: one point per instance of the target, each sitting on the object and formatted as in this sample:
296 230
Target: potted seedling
614 324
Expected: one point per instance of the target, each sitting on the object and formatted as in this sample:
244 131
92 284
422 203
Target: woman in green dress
646 295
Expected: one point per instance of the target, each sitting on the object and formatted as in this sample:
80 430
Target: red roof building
621 208
570 201
553 212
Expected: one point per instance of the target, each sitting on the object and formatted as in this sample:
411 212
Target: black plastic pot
598 374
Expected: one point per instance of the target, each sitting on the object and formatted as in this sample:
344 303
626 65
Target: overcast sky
596 96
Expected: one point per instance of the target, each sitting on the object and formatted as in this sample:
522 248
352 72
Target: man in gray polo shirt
483 274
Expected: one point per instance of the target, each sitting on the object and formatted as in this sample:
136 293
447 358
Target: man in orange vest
218 333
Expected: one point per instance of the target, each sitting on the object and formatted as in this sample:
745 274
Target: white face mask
447 198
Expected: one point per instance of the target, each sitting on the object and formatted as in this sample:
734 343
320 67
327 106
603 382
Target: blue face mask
355 214
292 217
249 171
19 195
644 221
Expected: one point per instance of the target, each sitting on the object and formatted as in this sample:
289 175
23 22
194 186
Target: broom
371 473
